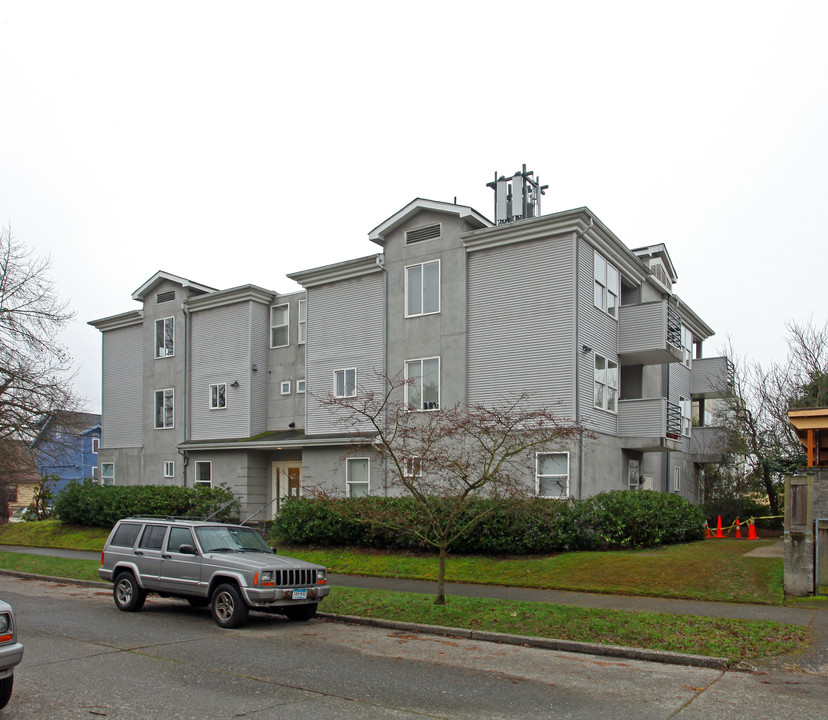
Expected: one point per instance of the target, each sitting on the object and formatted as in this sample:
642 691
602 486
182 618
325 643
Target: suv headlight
321 577
5 627
267 577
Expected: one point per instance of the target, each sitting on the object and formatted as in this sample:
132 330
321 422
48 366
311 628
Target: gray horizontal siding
521 324
220 353
345 330
642 418
643 327
711 376
122 409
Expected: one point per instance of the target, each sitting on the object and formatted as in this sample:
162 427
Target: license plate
300 594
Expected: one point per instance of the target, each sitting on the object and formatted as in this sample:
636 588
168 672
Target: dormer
657 259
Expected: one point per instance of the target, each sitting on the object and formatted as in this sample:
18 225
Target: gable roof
160 276
464 212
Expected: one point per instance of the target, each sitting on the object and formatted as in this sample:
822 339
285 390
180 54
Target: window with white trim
606 286
169 469
357 476
165 337
96 444
300 386
204 473
345 383
422 289
552 475
422 391
303 321
95 473
606 384
686 415
279 326
107 473
164 406
284 387
676 478
686 346
218 396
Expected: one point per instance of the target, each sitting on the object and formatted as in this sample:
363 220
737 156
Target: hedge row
86 503
610 520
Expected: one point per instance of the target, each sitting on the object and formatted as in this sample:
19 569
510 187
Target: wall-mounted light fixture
586 349
234 384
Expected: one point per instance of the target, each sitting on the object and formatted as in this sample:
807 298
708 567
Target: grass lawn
711 570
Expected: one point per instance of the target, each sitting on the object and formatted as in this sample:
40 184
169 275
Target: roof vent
517 197
429 232
165 296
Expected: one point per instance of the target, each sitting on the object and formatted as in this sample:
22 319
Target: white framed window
686 346
422 289
204 473
96 444
552 475
606 286
218 396
94 475
165 337
300 386
357 476
345 383
279 326
413 467
686 415
422 391
676 478
606 384
634 474
284 387
303 321
107 473
169 469
164 409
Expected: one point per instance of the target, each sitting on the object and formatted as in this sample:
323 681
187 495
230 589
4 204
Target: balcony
712 377
708 444
649 334
649 425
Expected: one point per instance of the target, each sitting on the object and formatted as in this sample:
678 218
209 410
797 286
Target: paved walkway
812 612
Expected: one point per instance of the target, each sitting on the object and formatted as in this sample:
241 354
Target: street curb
616 651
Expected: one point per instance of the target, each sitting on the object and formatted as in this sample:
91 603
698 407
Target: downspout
381 265
184 458
578 238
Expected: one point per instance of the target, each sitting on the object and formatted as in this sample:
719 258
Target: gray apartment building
206 386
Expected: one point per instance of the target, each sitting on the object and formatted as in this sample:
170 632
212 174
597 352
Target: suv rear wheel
228 607
128 595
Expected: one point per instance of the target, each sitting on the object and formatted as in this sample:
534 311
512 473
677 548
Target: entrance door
287 482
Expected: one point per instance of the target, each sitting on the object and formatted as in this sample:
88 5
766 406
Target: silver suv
228 567
11 652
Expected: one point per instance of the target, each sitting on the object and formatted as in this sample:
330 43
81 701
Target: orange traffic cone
719 533
706 529
752 531
738 529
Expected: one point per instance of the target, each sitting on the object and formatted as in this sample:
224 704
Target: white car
11 652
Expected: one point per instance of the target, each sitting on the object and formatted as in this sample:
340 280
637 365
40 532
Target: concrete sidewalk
812 612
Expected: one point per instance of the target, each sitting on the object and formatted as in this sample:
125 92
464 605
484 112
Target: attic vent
165 296
430 232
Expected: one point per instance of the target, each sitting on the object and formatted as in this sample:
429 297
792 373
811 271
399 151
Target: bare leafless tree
36 371
447 458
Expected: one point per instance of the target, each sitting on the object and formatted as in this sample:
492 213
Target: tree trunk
773 496
441 576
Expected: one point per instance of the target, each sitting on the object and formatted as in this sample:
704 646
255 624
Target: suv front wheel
128 595
228 607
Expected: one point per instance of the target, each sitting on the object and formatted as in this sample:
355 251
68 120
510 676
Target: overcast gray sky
235 142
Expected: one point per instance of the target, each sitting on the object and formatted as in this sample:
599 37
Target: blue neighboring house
67 446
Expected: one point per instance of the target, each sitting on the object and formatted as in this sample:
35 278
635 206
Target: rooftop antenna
517 197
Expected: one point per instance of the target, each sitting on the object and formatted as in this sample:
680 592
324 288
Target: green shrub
516 527
86 503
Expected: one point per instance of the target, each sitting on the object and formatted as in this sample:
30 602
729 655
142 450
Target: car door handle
138 552
166 557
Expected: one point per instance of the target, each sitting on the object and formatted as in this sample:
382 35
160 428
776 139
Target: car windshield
230 539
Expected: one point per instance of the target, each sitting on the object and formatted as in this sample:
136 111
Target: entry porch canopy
811 425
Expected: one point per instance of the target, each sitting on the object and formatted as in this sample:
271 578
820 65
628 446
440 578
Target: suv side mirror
187 550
